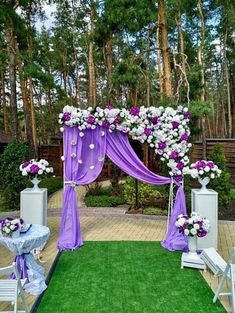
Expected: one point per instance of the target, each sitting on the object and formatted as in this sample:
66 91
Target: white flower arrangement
202 169
33 168
10 225
164 129
194 225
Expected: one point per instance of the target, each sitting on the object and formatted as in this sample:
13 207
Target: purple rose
148 131
134 110
184 137
90 119
34 169
174 154
211 164
154 120
201 233
180 165
117 120
162 145
25 164
175 124
109 107
187 116
178 179
66 116
105 124
200 165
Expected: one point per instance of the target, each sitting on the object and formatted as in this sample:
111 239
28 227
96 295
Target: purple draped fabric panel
84 153
21 266
122 154
174 240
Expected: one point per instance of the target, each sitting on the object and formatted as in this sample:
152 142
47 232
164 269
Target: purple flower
134 110
201 233
34 169
178 179
154 120
106 124
66 116
109 107
90 119
117 120
180 165
184 137
148 131
200 165
187 116
211 164
162 145
174 154
25 164
175 124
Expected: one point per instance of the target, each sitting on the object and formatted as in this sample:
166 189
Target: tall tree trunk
109 64
31 94
201 64
10 39
164 46
230 126
26 107
148 70
4 104
159 62
91 66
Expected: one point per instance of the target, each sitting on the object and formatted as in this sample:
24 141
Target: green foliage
11 181
52 184
147 194
222 183
104 201
155 211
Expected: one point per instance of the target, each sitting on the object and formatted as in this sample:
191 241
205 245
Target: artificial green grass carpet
126 276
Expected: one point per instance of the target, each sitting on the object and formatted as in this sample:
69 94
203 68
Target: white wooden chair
221 268
11 289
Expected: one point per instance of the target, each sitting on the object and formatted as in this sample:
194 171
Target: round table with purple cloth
27 267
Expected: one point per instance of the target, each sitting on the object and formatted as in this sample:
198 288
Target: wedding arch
90 135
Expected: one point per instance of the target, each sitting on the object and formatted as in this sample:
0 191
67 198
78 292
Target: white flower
193 231
91 146
40 172
186 232
24 172
62 129
81 134
196 226
212 176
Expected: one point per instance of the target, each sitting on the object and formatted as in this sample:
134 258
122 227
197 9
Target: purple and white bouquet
34 168
10 225
194 225
166 130
202 169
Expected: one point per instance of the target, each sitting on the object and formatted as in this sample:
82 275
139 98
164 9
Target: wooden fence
53 154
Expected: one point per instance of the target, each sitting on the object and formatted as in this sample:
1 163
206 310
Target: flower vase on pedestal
204 181
35 182
192 245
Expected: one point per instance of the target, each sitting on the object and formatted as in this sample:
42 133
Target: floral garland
164 129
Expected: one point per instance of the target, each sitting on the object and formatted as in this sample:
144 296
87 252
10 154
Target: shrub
93 189
52 184
147 194
222 183
104 201
11 181
155 211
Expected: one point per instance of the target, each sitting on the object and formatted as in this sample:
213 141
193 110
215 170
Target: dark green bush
11 181
222 183
104 201
155 211
148 195
52 184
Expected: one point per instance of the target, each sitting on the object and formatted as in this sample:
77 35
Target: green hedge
104 201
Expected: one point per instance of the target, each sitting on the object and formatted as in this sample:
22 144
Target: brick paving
114 224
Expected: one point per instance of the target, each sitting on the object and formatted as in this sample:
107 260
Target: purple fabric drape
21 266
84 154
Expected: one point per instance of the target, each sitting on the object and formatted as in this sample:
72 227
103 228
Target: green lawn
126 276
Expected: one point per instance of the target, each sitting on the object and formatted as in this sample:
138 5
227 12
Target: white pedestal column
206 204
33 206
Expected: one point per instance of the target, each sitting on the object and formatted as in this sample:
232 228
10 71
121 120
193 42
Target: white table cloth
27 267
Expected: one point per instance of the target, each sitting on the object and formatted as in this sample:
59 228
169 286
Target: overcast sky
48 22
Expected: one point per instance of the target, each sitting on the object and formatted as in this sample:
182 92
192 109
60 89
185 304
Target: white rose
207 169
48 170
7 231
196 226
186 232
24 173
40 172
12 227
212 176
193 231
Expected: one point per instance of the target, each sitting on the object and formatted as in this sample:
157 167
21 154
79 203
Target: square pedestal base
192 260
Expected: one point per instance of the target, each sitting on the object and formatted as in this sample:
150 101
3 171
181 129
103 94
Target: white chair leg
24 302
219 288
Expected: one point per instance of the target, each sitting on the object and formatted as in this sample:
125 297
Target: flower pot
15 234
204 181
192 244
35 182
